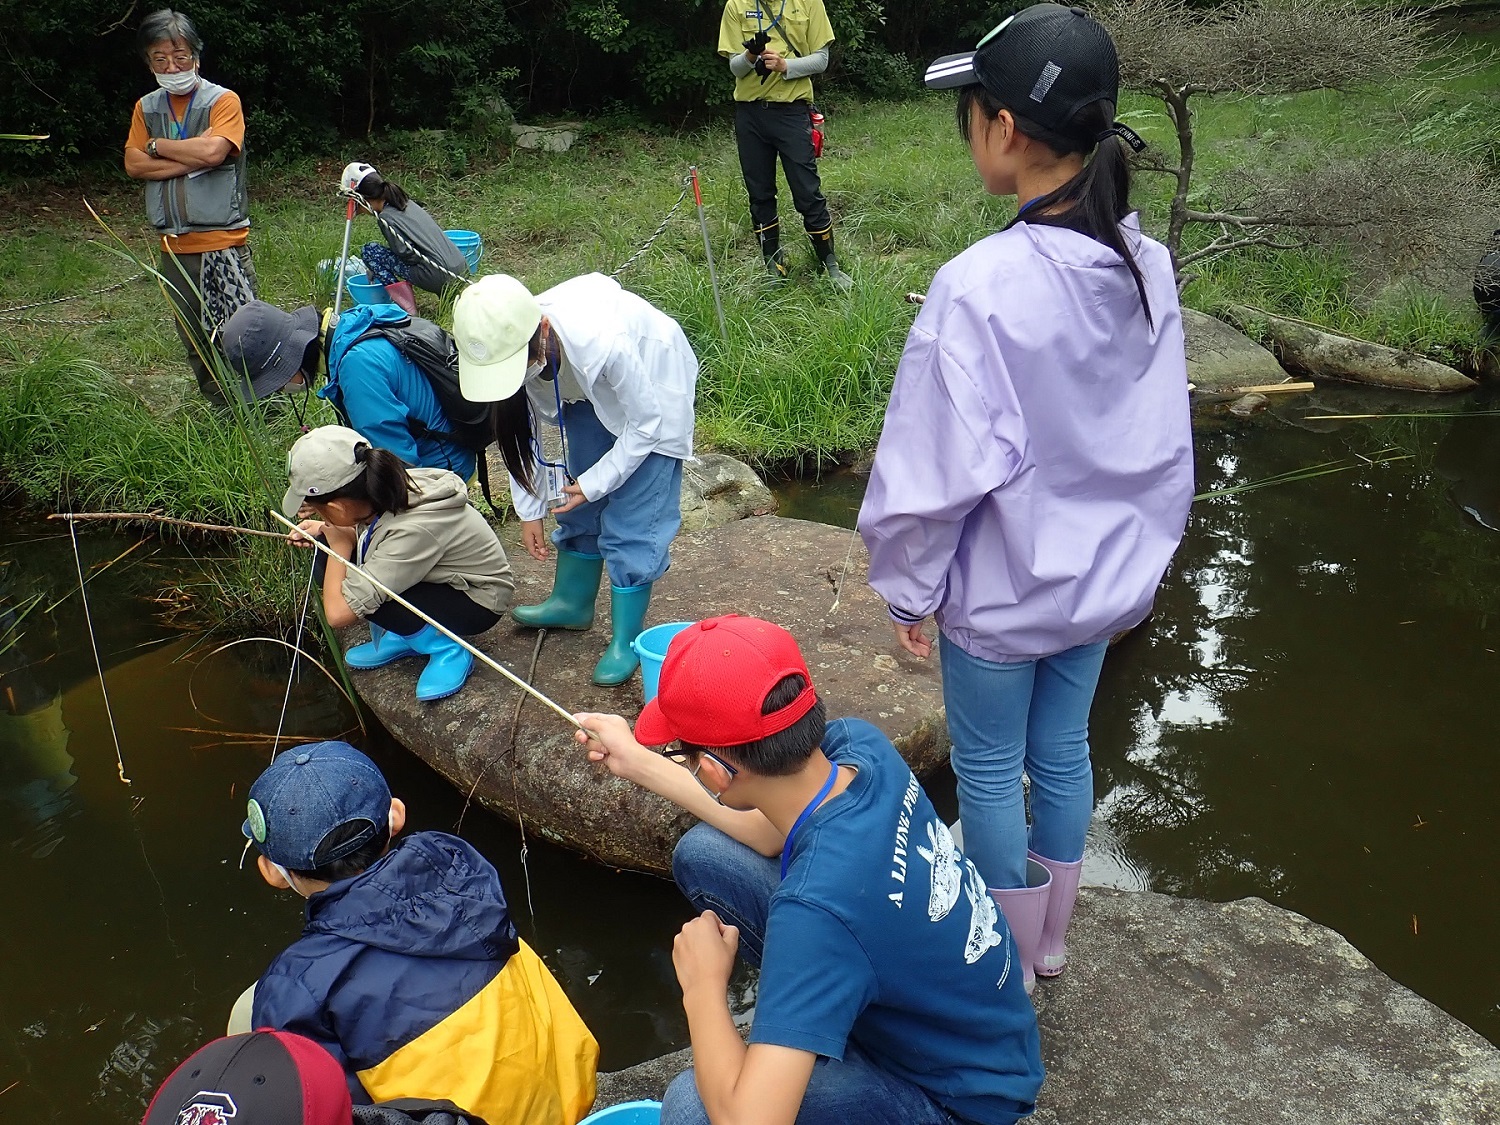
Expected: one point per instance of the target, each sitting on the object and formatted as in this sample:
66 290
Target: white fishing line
296 652
88 618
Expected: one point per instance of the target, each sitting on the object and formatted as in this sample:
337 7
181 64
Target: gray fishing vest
213 199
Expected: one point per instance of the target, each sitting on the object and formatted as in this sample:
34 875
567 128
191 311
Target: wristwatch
151 148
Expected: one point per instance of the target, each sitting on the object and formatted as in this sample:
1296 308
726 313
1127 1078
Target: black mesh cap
1045 63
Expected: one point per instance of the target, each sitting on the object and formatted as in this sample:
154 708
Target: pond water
1308 717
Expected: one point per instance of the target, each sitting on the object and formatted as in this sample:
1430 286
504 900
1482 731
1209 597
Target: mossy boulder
808 577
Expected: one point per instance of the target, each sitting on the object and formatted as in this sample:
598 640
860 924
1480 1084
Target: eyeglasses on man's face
166 63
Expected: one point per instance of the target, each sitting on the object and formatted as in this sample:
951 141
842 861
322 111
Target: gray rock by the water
717 489
644 1082
1222 359
1248 405
1326 355
789 571
1180 1012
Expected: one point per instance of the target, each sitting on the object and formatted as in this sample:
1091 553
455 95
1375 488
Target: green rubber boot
627 614
571 603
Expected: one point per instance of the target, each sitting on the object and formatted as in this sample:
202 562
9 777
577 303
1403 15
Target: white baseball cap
321 461
353 175
493 322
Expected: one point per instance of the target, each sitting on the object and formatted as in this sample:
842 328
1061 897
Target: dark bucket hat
265 345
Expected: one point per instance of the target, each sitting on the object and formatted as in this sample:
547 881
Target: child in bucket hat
1052 354
409 971
821 860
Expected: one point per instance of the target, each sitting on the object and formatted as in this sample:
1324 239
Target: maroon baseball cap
262 1078
715 680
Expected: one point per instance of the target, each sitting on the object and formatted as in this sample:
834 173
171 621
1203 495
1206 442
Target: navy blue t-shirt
884 934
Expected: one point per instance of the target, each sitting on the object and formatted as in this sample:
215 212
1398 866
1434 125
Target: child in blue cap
409 970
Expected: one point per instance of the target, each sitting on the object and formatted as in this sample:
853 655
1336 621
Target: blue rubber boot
571 604
448 664
381 649
627 615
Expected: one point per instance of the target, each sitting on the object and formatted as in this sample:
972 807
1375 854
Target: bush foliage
310 74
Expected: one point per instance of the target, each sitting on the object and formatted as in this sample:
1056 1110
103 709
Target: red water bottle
817 132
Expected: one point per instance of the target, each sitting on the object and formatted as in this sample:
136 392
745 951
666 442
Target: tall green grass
74 438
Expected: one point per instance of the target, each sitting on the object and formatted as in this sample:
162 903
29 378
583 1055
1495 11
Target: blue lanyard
1030 203
775 20
562 429
364 549
187 109
786 849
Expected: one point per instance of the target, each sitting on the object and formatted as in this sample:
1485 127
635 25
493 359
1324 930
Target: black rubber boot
822 241
770 249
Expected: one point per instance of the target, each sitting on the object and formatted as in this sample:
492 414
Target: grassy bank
805 371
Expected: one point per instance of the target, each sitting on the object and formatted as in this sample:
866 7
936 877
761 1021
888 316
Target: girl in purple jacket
1035 469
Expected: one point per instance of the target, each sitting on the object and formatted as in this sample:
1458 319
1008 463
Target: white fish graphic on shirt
947 879
982 933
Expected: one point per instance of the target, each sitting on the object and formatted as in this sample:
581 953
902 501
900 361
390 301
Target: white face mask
179 82
533 370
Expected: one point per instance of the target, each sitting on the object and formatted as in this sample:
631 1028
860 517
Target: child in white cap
616 376
416 250
416 532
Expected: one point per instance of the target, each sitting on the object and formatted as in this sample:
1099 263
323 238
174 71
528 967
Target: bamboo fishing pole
482 657
157 517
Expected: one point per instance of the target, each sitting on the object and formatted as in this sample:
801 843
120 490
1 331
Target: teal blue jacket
382 394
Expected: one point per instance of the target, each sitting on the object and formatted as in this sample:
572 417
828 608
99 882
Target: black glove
755 45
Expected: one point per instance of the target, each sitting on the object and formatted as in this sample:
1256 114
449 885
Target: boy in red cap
890 990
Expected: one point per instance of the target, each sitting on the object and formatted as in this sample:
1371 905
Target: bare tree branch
1263 46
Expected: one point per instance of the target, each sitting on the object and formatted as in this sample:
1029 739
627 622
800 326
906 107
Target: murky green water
1309 717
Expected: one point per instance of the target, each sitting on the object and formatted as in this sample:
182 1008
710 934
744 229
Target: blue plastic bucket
366 292
651 647
626 1113
470 244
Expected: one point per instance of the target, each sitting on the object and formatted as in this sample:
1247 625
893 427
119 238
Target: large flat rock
1180 1012
1221 359
789 571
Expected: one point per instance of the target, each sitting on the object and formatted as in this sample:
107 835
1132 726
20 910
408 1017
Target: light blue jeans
735 882
631 527
1031 715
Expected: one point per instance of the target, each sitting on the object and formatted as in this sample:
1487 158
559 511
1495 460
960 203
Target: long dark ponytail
510 419
1099 193
374 186
384 485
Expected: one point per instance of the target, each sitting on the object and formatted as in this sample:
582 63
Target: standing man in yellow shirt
774 47
187 141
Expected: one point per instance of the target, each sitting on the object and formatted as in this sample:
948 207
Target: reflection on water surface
1308 718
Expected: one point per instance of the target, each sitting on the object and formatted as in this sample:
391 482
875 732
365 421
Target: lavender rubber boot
1052 954
1025 910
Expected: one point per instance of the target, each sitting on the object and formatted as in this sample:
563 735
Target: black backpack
436 356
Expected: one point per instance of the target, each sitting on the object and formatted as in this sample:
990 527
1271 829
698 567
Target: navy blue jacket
411 974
